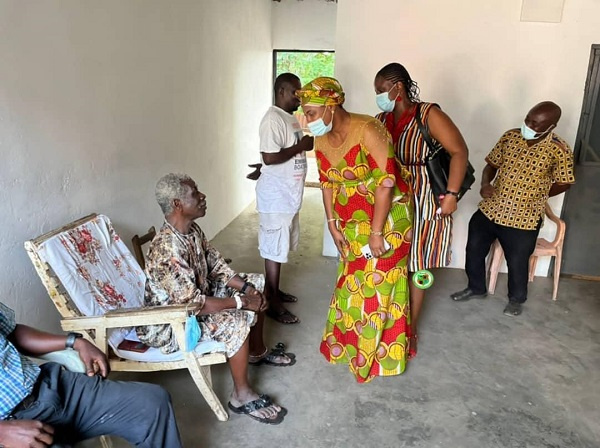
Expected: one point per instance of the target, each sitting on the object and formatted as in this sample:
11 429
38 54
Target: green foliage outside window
306 65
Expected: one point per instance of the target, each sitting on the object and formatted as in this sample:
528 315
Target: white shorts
278 234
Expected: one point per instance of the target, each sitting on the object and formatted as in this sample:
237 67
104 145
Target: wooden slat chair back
103 327
138 242
543 248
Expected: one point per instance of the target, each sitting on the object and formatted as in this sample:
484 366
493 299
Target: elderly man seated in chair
183 267
40 406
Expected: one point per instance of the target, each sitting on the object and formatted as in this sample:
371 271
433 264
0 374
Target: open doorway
582 202
307 65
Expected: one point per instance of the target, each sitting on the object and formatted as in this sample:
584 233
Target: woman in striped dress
398 98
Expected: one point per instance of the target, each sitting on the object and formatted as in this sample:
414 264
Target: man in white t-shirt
279 189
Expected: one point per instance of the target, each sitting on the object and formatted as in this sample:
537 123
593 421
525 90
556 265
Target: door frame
591 92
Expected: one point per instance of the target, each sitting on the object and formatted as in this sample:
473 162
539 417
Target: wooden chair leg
532 265
203 382
207 375
557 263
497 254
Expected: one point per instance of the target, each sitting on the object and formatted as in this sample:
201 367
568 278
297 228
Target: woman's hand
448 205
339 240
377 245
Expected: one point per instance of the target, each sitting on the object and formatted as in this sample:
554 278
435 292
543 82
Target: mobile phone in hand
366 250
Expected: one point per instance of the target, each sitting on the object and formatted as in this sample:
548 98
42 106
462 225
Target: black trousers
81 407
517 244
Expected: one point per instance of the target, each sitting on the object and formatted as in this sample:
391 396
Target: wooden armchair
98 289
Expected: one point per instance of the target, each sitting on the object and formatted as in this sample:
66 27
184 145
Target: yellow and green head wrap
321 91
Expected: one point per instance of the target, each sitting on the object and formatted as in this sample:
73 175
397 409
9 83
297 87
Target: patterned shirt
18 374
181 268
524 178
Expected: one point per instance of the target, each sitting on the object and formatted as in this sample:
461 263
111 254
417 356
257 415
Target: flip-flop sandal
279 316
288 298
270 359
263 401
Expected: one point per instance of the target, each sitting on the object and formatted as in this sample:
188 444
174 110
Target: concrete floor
481 379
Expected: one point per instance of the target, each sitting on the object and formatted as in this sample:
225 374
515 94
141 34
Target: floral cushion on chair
97 270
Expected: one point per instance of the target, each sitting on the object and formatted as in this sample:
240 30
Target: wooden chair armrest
130 317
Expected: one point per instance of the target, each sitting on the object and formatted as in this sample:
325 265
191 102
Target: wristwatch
71 338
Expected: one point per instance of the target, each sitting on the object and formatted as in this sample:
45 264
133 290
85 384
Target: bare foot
412 346
286 297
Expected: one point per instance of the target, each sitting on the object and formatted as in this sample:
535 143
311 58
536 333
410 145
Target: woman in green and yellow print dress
368 206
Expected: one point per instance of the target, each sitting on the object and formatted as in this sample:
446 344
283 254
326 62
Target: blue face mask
318 127
384 102
530 134
192 333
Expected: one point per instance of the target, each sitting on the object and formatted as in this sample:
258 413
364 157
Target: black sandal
280 315
263 401
269 359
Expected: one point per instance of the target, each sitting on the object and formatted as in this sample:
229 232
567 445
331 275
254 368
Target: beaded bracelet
238 302
376 233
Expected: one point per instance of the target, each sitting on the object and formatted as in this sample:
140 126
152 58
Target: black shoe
466 294
513 309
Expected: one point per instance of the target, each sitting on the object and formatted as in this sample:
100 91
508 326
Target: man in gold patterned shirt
527 166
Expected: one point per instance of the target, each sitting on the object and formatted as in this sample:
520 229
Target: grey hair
170 187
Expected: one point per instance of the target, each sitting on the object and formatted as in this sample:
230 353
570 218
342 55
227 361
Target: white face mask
530 134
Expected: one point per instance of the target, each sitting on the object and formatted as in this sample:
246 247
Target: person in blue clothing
45 405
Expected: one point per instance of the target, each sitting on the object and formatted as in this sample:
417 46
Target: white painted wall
99 99
303 24
478 61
